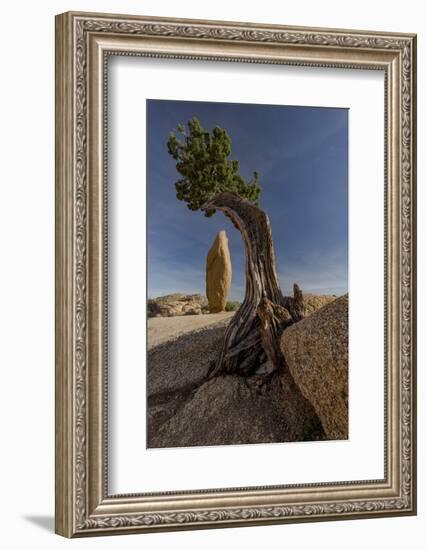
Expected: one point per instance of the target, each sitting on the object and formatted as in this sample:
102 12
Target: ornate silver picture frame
84 42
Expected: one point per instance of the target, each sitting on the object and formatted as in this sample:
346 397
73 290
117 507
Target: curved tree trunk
252 337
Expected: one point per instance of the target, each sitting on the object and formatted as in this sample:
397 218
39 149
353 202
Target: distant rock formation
218 273
177 304
316 353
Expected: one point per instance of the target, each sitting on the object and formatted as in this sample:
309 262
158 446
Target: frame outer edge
64 237
234 24
73 517
414 271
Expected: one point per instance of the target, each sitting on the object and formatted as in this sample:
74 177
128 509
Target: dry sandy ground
163 329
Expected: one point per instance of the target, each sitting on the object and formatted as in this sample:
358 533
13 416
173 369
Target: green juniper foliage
202 160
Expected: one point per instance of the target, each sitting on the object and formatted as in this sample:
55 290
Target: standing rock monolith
218 273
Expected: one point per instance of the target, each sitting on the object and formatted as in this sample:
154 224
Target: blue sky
301 154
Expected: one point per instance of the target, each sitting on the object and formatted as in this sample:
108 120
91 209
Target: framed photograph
235 274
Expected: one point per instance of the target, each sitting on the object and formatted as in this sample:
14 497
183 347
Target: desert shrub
232 306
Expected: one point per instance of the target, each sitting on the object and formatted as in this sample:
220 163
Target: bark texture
252 338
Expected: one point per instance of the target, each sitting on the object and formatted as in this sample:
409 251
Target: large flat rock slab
183 351
179 361
165 329
231 410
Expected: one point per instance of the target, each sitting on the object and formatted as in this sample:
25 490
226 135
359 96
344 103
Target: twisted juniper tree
211 181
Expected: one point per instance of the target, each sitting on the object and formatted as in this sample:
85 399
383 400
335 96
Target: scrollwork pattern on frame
242 514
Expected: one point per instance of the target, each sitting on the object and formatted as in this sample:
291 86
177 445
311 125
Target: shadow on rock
230 410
